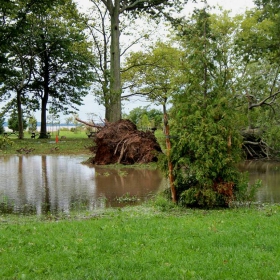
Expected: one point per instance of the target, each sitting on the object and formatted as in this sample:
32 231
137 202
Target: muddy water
269 174
40 184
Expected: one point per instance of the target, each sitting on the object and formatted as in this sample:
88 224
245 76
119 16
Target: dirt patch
121 142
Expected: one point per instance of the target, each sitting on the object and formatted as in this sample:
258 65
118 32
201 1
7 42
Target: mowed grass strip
144 243
69 143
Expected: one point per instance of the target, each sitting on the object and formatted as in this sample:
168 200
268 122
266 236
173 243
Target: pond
42 184
269 174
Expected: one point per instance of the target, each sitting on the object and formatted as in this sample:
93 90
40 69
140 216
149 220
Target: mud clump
121 142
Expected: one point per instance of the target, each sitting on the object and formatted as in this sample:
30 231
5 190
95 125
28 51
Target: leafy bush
13 122
199 197
271 138
163 203
5 142
32 124
205 152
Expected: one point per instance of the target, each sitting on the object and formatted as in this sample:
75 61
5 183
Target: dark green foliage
13 122
205 152
32 124
262 39
206 143
154 116
51 58
13 21
152 7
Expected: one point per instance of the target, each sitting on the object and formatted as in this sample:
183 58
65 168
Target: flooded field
43 184
49 184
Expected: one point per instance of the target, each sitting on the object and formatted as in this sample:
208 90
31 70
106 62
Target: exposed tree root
121 142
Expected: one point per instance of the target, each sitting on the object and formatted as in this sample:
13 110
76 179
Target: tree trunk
45 97
113 111
43 132
168 149
20 119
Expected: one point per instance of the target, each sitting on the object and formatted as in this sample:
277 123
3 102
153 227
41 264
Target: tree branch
91 124
264 101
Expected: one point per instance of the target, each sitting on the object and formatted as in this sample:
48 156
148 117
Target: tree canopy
51 61
115 9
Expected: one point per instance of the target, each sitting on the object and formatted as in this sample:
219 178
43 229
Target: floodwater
42 184
269 174
51 184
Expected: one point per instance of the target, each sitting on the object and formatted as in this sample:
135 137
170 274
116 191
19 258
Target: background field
68 143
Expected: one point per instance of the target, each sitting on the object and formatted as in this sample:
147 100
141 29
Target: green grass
143 243
156 241
68 143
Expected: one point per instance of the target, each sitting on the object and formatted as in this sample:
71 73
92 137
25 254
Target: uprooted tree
121 142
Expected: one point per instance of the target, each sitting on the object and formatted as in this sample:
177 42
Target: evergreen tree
204 121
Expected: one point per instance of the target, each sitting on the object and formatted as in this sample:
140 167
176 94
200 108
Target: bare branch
91 124
264 101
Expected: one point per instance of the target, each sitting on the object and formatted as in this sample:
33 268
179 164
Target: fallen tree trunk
254 146
88 123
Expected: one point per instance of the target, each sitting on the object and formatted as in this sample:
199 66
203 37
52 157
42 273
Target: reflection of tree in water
45 185
269 174
21 189
21 203
113 183
42 184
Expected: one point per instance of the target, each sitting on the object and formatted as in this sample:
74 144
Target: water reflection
269 174
43 184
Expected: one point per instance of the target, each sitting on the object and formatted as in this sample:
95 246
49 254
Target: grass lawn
153 241
68 143
143 243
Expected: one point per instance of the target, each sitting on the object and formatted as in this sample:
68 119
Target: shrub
5 142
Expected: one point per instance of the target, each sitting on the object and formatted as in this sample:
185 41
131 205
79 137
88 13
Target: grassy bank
154 241
68 143
143 243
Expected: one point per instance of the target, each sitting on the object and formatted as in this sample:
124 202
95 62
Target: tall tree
45 52
16 51
205 123
116 9
157 76
12 22
98 23
20 62
257 45
61 74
